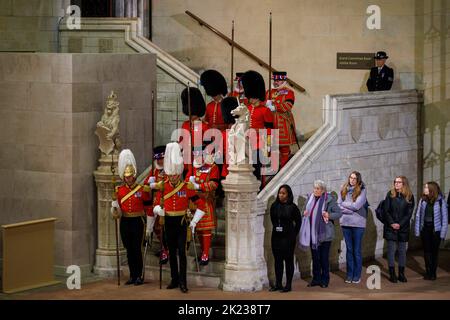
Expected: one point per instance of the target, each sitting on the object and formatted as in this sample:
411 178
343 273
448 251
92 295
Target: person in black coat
398 208
286 221
381 77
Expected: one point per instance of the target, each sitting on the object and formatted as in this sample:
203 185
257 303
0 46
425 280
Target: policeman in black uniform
381 77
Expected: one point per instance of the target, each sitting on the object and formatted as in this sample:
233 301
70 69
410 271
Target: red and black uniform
207 177
260 118
197 131
158 228
213 116
132 201
175 201
283 99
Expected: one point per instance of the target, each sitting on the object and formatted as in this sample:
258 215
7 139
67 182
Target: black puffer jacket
397 210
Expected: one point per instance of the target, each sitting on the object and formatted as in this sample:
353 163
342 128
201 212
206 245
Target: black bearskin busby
254 86
198 106
214 83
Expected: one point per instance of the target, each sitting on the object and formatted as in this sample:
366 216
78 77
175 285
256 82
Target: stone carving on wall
237 136
108 127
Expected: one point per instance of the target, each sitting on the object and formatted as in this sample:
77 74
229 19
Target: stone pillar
242 261
105 255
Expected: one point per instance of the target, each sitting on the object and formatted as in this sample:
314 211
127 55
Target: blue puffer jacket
440 216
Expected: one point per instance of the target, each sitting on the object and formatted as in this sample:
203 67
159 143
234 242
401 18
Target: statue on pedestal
237 140
108 127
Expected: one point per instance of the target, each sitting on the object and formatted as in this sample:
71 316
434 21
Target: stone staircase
209 276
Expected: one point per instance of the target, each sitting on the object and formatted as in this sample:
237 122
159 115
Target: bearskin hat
214 83
254 86
198 106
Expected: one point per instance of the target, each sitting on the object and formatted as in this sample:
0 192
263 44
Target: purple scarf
318 230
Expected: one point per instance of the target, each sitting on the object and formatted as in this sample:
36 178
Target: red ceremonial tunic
159 176
213 116
283 99
178 203
260 118
207 177
197 131
135 204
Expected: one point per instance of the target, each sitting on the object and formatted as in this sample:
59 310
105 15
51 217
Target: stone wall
30 25
307 35
375 134
49 107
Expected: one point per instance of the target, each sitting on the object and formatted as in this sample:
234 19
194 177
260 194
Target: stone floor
415 288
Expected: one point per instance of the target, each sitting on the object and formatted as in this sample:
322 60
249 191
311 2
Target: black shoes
401 274
392 275
323 285
313 284
138 282
286 289
183 288
130 281
172 285
276 288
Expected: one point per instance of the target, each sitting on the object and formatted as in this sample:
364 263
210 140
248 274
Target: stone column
242 261
105 255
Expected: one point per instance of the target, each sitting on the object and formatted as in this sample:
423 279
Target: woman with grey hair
318 231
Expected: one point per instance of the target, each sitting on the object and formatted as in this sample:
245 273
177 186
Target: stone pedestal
241 271
105 255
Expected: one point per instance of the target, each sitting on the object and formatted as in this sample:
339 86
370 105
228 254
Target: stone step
216 252
193 278
214 267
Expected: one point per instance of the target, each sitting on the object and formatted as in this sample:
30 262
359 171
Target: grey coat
335 213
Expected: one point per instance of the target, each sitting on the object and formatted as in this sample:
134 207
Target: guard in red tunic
283 99
198 127
173 205
156 175
228 105
132 198
215 87
260 117
205 177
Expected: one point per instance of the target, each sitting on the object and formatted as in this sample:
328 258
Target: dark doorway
95 8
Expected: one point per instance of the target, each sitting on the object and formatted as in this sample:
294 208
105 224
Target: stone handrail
134 39
333 106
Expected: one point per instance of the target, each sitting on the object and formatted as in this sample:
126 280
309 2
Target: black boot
277 287
173 284
427 258
401 274
183 287
392 276
287 288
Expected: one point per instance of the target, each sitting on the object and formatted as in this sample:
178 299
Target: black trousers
283 258
430 241
321 263
132 230
176 233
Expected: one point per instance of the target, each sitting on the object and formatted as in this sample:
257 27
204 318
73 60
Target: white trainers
348 280
356 281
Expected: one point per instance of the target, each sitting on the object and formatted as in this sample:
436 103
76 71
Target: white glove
115 209
150 224
159 211
270 105
197 217
152 185
151 180
192 180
